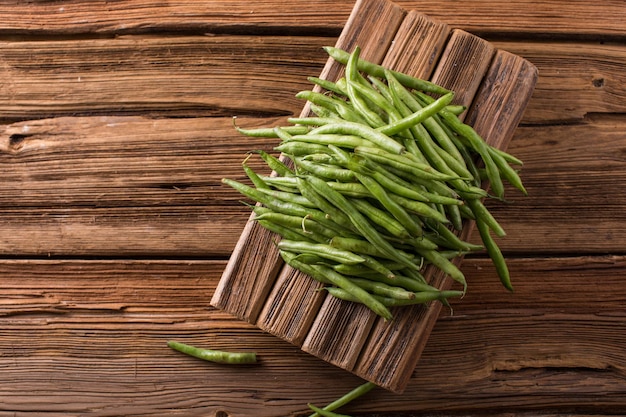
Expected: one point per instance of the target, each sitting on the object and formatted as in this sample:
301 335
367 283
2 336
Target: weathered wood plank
576 178
142 187
575 78
603 18
244 75
186 76
102 325
164 76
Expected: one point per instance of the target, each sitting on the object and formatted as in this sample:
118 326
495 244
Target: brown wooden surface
116 129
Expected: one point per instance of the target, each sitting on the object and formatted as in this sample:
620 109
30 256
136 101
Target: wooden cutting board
259 288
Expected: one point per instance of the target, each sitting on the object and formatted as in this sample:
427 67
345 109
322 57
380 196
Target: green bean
269 132
323 112
325 171
285 232
350 189
275 164
348 397
442 135
419 208
377 99
361 246
383 289
453 213
449 239
327 85
257 181
341 140
296 148
358 220
338 106
445 164
456 109
322 204
421 297
321 158
288 197
391 204
381 218
360 294
417 117
370 68
323 250
382 89
312 229
370 116
416 131
376 265
285 207
481 212
286 184
325 413
507 156
481 147
445 265
507 171
405 282
360 165
292 260
218 356
495 254
405 189
403 163
313 121
371 135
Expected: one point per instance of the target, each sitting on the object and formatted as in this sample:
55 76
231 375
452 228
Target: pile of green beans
375 185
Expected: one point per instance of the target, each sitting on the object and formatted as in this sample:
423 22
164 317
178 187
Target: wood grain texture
530 17
102 327
84 320
150 76
162 76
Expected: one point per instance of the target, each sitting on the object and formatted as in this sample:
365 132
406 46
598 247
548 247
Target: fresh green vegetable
218 356
376 186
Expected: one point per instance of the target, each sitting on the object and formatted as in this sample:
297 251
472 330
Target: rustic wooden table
115 229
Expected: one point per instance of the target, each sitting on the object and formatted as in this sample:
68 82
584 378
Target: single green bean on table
218 356
383 175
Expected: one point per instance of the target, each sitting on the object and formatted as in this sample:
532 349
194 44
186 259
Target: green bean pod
217 356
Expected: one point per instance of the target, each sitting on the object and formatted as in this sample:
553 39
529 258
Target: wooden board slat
341 333
41 77
603 18
170 76
102 325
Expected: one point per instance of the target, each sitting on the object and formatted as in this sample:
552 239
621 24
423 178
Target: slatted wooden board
257 287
